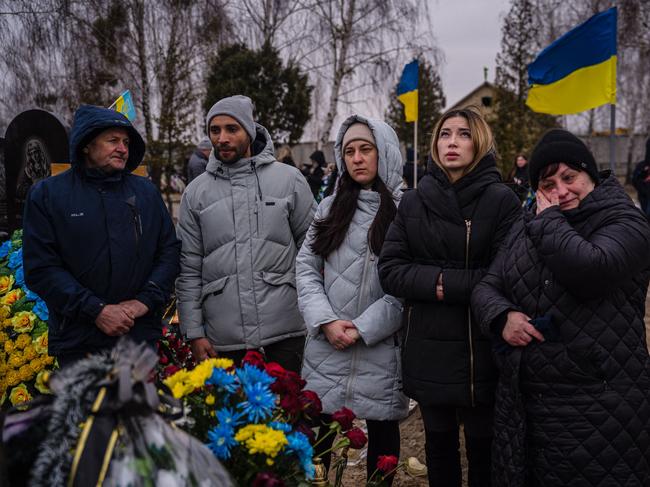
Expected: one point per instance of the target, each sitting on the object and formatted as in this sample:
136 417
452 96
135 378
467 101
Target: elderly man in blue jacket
99 245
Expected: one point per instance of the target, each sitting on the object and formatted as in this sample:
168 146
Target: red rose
170 370
344 417
254 358
386 463
296 379
165 330
267 479
357 438
163 359
311 404
274 369
291 404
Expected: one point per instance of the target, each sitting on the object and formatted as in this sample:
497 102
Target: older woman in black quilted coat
565 302
440 244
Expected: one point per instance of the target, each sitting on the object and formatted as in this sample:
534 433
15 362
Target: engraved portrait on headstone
36 166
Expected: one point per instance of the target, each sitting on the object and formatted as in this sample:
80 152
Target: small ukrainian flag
407 91
577 72
124 104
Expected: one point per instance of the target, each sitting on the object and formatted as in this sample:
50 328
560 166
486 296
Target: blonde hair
479 130
283 152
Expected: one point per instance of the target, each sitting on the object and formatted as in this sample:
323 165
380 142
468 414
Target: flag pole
415 154
612 139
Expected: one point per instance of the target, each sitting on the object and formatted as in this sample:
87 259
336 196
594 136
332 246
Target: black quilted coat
574 409
455 229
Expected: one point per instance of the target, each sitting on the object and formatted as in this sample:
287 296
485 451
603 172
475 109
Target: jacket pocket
274 220
214 288
278 279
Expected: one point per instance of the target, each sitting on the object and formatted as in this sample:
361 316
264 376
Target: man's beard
236 153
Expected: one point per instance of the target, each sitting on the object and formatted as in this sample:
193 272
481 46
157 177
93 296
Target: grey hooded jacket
241 226
365 377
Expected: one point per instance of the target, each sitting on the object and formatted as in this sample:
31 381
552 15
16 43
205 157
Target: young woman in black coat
440 244
565 300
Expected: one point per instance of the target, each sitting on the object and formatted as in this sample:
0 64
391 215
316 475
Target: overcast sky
469 34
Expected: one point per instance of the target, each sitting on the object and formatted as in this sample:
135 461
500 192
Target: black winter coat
455 229
573 410
92 239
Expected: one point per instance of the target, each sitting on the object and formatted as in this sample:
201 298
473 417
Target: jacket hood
390 157
262 151
90 120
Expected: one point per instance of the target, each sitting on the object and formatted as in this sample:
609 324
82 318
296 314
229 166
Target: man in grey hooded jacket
241 224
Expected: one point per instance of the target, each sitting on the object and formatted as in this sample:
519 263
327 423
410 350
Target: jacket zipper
137 226
468 234
362 294
408 328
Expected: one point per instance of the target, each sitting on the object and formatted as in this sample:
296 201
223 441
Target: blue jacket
92 239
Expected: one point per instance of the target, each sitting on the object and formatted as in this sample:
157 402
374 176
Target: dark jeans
383 439
442 444
288 353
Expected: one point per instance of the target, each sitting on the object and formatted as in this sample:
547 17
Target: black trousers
441 425
383 439
288 353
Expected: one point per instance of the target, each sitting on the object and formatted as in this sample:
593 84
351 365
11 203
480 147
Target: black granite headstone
33 141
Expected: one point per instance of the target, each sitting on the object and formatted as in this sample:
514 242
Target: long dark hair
331 230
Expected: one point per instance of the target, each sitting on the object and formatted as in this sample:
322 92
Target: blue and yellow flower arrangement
254 418
24 361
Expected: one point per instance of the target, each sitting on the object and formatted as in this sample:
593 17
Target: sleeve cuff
193 333
93 307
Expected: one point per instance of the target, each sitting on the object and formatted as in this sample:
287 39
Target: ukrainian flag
407 91
578 71
124 104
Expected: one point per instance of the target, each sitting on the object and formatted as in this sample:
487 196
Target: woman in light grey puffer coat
352 356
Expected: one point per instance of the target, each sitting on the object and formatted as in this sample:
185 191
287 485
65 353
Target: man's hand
335 332
440 292
202 349
134 308
518 332
353 333
113 320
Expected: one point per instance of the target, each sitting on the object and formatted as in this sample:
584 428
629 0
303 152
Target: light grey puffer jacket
365 377
241 226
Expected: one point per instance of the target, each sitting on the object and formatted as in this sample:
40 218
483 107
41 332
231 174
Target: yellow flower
210 399
5 311
41 382
179 384
49 360
259 438
223 363
23 340
23 321
25 372
29 352
6 282
16 359
9 346
40 343
201 373
19 395
11 297
37 364
3 337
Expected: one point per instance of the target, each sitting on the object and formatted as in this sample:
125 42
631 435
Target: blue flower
228 417
40 310
299 444
250 375
276 425
259 404
30 295
221 439
223 380
16 258
19 276
5 248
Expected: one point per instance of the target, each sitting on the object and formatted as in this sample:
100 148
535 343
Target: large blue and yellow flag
577 72
407 91
124 104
